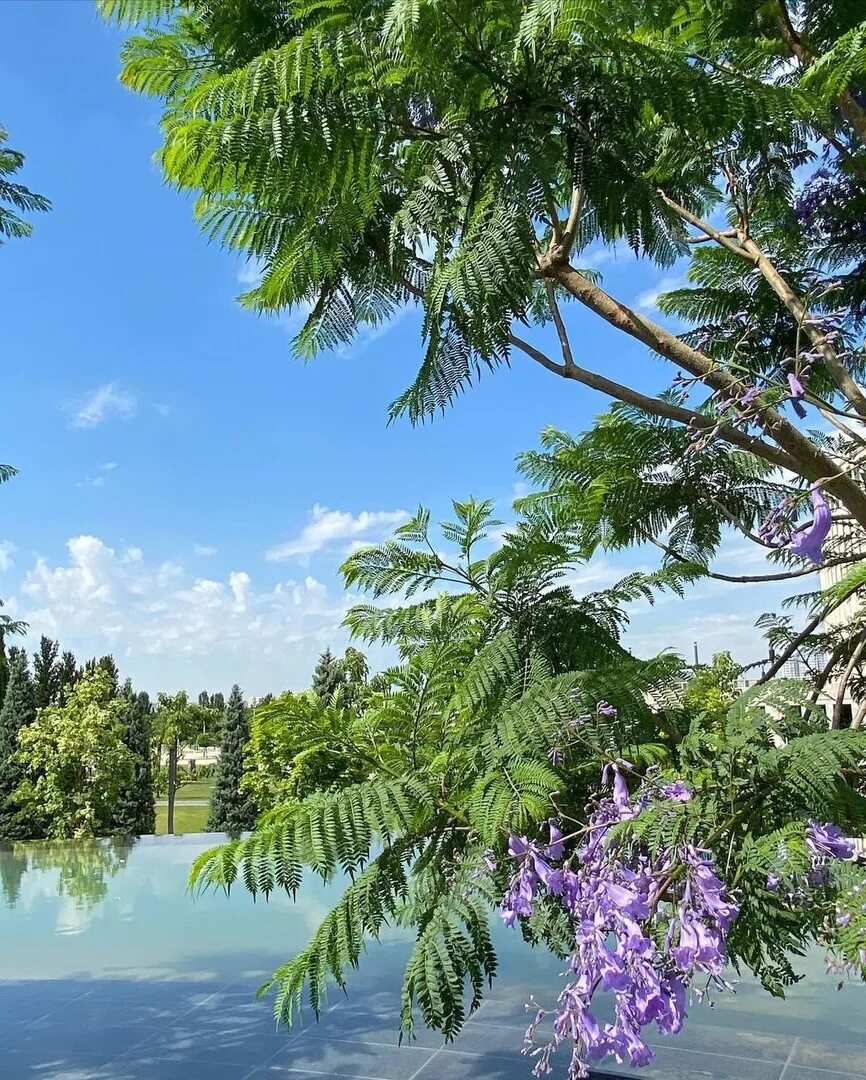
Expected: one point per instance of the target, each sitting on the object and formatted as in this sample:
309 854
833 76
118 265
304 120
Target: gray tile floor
174 1030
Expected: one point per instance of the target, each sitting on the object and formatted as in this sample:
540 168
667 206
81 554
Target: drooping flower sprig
779 529
650 927
646 926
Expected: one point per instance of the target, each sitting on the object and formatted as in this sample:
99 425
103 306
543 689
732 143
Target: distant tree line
83 753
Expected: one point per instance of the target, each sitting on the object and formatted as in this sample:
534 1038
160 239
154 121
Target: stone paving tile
798 1072
227 1046
353 1058
830 1056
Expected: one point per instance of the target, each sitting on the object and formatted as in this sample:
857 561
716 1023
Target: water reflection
99 935
83 869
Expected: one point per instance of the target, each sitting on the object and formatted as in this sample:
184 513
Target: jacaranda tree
462 157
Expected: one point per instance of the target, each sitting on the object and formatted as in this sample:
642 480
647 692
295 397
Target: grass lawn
196 789
187 819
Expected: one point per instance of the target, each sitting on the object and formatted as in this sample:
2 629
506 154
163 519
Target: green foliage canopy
75 761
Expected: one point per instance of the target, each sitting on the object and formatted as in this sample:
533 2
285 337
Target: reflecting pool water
110 970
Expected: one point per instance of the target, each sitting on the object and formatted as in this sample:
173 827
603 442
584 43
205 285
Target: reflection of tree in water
85 866
13 864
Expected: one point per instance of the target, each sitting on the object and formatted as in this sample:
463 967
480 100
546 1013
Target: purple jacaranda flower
810 541
797 394
620 787
677 791
772 882
556 848
827 839
843 920
604 708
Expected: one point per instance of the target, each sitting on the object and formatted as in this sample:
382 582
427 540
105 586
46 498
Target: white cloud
205 549
7 549
327 527
169 628
107 466
101 404
250 272
648 299
599 256
92 481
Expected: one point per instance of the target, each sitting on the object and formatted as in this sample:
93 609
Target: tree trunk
172 784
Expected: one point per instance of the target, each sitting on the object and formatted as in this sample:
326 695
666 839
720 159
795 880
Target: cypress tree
217 701
328 676
232 810
46 673
17 712
136 812
70 673
109 666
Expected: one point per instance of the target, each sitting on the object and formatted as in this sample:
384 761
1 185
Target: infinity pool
110 970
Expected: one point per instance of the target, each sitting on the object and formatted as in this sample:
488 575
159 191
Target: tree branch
811 462
796 642
843 682
573 221
654 405
739 579
565 344
747 249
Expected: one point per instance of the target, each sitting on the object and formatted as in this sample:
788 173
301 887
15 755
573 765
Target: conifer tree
70 673
232 810
136 813
18 711
46 673
328 676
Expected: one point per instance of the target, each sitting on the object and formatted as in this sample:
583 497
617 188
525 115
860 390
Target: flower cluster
645 926
807 541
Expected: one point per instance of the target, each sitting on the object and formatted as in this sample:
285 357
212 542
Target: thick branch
576 205
747 249
811 462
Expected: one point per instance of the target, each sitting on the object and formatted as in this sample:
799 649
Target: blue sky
167 441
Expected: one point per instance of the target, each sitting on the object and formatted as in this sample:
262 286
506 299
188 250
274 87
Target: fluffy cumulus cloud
327 529
649 298
102 404
169 629
7 550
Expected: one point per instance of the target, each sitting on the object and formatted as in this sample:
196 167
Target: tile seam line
790 1056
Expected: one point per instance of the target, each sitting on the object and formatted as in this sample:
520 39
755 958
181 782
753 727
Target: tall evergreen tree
7 626
109 666
46 673
204 699
70 673
231 809
136 813
18 711
218 701
328 676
